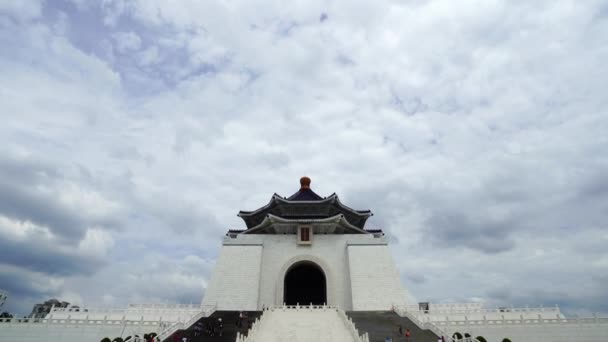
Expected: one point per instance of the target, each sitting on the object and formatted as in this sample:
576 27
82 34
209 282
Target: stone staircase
382 324
303 324
306 324
229 333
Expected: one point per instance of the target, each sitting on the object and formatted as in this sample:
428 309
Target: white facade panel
338 255
374 279
283 251
236 279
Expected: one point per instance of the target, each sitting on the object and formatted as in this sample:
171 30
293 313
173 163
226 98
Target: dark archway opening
304 284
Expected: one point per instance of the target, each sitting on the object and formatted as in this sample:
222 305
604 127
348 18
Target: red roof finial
304 183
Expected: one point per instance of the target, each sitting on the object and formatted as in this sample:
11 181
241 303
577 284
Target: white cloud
21 10
149 56
127 41
13 229
96 242
475 132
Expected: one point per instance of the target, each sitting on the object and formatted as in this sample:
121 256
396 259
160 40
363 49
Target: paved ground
382 324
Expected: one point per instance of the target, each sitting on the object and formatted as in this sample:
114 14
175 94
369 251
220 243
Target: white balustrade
401 311
203 311
525 318
82 318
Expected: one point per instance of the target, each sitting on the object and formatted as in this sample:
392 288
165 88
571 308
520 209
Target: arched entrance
304 284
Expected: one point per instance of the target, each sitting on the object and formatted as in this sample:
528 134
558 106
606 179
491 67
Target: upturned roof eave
366 213
338 219
244 213
277 198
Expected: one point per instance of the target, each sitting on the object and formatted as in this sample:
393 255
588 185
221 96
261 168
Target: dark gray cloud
30 191
475 134
454 229
42 256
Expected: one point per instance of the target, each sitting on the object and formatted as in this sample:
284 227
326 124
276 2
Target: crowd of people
215 327
211 328
135 338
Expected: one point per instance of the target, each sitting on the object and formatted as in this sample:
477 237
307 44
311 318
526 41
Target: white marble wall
133 312
587 332
375 274
36 332
374 278
236 279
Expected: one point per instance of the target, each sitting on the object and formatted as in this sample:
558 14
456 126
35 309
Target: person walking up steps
408 334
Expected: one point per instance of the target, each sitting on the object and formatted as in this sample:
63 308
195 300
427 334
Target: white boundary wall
251 269
133 312
584 330
72 330
463 312
533 324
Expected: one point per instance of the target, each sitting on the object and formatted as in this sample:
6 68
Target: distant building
41 310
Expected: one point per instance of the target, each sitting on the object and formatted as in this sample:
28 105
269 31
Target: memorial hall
306 268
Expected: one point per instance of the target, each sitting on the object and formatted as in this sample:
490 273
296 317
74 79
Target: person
220 326
440 339
184 339
400 330
408 333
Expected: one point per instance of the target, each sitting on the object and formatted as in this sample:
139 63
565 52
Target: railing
253 333
433 306
139 308
439 327
466 308
167 327
205 311
70 321
255 328
163 306
401 311
523 321
348 322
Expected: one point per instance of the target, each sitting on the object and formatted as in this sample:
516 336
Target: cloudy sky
132 132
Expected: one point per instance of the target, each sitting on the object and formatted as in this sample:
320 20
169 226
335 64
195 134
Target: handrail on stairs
170 330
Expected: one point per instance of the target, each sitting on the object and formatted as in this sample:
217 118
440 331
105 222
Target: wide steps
229 319
382 324
302 325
